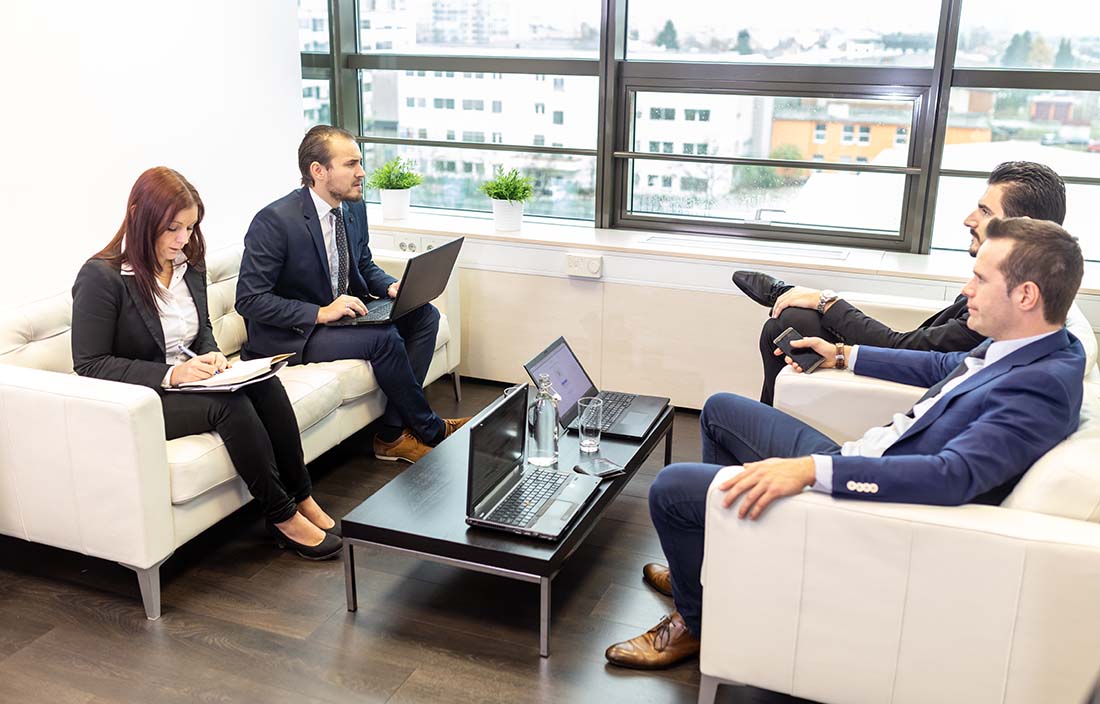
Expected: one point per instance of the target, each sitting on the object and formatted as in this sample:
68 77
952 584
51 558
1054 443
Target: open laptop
624 415
425 277
503 492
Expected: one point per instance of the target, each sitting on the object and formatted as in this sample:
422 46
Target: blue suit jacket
976 442
284 276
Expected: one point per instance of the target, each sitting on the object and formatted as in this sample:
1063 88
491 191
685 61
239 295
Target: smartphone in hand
802 356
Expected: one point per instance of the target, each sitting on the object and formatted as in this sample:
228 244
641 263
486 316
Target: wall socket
589 266
415 244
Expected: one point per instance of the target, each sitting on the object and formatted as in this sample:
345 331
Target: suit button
851 485
874 488
863 487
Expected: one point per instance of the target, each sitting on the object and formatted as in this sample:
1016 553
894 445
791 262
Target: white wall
96 92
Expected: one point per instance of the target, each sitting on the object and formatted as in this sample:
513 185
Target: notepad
240 374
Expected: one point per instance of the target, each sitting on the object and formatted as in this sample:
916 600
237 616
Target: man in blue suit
307 262
988 415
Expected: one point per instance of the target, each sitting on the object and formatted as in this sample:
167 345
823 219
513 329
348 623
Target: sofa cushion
1066 481
198 463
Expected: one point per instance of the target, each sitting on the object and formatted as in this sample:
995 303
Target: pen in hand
187 351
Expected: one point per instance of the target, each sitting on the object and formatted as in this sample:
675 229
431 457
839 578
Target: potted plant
508 191
394 181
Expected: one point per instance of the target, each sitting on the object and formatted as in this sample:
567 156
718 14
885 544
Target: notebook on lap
424 278
503 491
624 415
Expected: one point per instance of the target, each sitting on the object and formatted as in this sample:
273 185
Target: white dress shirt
877 440
328 233
179 318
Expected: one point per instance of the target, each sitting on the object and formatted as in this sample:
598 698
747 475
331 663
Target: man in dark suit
1015 189
307 262
988 416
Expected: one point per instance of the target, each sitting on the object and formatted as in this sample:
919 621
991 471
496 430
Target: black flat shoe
334 530
327 549
760 287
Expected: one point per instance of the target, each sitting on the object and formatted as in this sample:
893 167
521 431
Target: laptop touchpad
635 418
559 509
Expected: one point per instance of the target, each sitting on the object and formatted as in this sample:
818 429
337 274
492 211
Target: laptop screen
566 374
496 446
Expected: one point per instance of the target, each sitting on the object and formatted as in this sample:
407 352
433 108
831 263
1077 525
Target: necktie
341 252
976 353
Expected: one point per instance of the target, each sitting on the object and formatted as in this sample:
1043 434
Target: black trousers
260 432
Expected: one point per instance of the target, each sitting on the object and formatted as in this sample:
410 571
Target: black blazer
945 331
118 337
284 277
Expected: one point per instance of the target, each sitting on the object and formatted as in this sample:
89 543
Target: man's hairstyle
315 147
1031 190
1044 254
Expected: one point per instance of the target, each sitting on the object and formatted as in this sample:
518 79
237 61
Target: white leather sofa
843 601
84 464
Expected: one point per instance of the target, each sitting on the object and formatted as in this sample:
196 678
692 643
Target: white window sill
943 266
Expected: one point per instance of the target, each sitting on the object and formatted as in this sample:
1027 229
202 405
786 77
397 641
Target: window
864 134
539 140
410 102
422 133
467 167
439 103
819 157
559 117
559 84
654 147
901 136
704 116
666 182
497 106
689 147
449 74
540 109
689 115
450 135
666 147
498 138
421 102
848 136
693 185
701 148
651 180
473 136
655 113
819 133
473 104
861 160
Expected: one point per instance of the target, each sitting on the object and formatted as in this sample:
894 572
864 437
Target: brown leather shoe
664 645
452 424
407 448
658 577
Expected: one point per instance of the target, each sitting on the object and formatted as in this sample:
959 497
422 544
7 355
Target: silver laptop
503 492
424 278
624 415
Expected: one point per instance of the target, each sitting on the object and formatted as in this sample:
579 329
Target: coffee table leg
349 575
668 443
544 617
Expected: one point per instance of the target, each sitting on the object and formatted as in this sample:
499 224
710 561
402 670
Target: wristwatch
827 297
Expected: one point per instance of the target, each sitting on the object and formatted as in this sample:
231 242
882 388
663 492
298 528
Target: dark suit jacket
945 331
285 277
976 442
118 337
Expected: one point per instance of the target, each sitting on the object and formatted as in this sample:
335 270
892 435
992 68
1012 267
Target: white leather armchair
84 464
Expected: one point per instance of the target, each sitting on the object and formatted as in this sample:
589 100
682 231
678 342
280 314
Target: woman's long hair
156 197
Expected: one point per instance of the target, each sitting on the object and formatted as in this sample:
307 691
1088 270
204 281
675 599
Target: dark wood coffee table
422 512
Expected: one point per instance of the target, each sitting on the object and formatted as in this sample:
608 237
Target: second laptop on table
424 278
625 415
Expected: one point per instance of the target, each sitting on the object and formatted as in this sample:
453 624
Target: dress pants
400 354
260 431
735 430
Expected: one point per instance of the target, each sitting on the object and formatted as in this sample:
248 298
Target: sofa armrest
843 601
83 466
448 303
841 404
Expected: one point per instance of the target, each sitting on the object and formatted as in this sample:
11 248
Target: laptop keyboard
614 403
377 311
529 496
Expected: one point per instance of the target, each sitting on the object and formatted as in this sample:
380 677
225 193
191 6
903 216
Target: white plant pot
507 215
395 203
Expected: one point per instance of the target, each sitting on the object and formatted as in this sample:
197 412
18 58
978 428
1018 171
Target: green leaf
396 174
509 186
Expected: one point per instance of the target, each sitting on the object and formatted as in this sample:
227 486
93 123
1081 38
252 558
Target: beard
347 195
974 244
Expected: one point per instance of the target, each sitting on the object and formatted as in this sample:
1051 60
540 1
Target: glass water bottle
545 428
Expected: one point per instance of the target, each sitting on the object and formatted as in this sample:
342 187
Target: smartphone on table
802 356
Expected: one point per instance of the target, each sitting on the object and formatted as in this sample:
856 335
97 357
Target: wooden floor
245 622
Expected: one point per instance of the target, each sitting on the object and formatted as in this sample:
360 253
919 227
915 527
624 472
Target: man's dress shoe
664 645
760 287
658 577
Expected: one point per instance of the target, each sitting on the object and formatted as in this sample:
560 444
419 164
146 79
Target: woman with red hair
139 306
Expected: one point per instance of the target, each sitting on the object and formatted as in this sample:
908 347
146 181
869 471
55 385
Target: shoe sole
631 666
388 458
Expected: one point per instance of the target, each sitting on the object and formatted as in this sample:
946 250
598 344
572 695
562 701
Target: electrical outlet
408 243
590 266
433 241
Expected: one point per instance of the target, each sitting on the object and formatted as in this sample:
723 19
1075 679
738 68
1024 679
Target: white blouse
179 318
